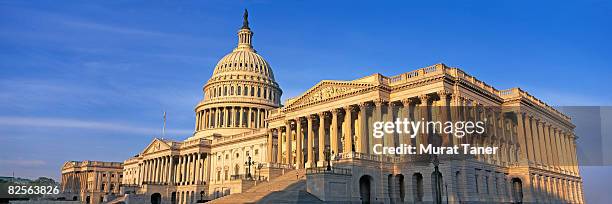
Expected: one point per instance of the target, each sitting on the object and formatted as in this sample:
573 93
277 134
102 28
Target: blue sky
90 80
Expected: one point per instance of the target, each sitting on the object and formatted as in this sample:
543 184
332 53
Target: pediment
328 90
156 145
69 164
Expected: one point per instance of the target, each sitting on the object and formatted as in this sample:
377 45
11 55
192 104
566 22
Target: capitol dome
240 92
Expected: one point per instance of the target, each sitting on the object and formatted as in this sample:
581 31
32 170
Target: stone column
206 117
289 137
156 170
270 146
197 123
162 170
148 167
170 171
405 136
258 119
363 135
424 113
564 150
321 138
547 141
228 116
249 118
211 117
376 116
447 139
558 144
543 142
522 137
334 131
574 156
241 120
141 173
198 168
181 170
262 115
187 170
298 143
279 145
310 162
347 129
389 140
194 165
536 141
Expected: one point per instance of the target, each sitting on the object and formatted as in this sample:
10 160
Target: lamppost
328 158
249 163
259 166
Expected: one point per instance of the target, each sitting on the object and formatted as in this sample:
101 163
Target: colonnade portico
345 129
188 169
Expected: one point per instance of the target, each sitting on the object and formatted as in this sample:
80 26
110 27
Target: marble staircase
287 188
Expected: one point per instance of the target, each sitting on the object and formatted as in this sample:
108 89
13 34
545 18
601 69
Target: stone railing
331 170
195 142
416 74
517 92
248 177
279 166
441 69
237 136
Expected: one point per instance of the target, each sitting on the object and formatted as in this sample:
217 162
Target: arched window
265 93
232 90
437 186
258 91
239 91
417 187
225 91
252 91
246 90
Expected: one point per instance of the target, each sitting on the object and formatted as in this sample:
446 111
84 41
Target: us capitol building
317 147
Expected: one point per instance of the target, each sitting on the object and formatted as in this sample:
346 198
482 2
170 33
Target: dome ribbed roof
243 61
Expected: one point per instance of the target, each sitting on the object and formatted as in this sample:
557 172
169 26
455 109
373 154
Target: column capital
334 111
443 94
424 98
363 105
394 103
323 114
408 101
311 117
378 102
351 108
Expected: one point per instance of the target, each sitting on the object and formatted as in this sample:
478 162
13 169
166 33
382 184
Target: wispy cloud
9 121
22 163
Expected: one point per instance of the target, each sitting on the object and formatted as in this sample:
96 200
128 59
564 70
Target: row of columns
231 117
73 181
238 90
188 169
545 145
548 189
349 126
